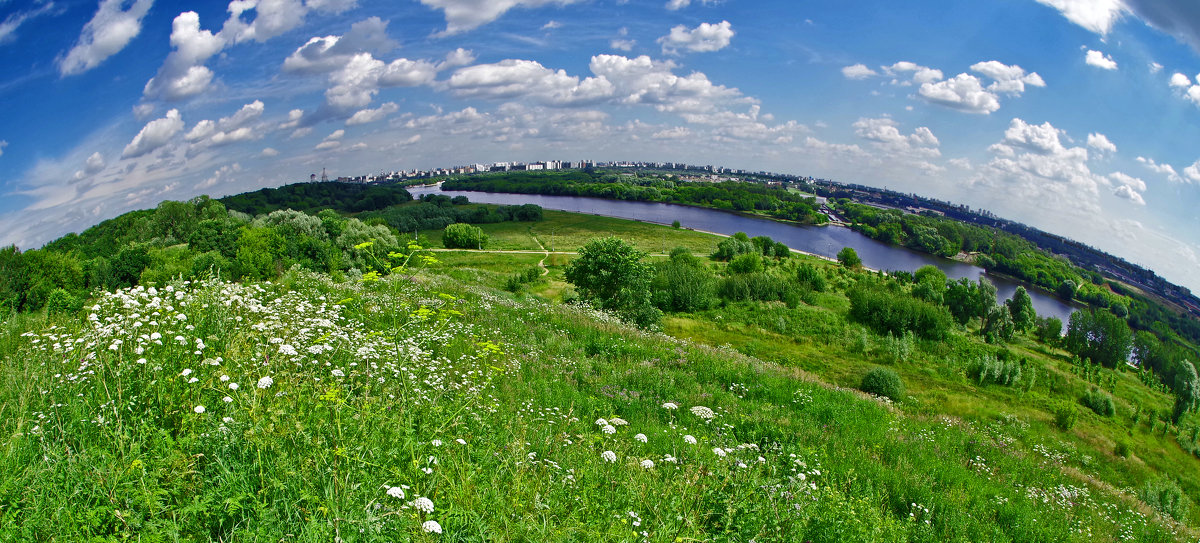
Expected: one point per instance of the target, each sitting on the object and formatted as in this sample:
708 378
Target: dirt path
546 254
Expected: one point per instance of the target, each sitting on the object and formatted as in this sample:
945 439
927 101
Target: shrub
848 257
883 382
463 236
809 275
1065 416
1165 496
989 369
888 312
1099 402
1122 448
61 302
746 263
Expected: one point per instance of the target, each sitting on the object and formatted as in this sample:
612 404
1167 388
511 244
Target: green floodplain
470 395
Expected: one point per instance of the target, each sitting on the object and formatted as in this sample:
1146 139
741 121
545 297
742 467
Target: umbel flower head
423 504
431 526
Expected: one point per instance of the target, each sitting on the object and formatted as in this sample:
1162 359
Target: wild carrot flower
689 439
338 373
395 492
719 452
640 437
670 406
609 456
199 409
618 421
703 412
265 382
648 464
609 429
423 504
431 526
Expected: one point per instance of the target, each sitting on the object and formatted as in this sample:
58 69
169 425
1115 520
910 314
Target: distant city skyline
1078 118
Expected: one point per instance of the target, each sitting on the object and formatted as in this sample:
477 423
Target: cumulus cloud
963 92
527 78
1032 166
365 116
1100 60
884 132
1128 187
329 53
1095 15
183 74
906 73
456 58
268 152
1192 173
226 130
93 165
1164 169
155 134
107 33
246 114
1179 80
294 117
966 92
858 71
1100 143
704 38
673 133
464 15
622 44
1184 85
675 5
274 17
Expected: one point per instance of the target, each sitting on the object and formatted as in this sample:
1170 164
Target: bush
61 302
1099 402
1166 497
809 275
1065 416
883 382
888 312
1122 448
746 263
848 257
463 236
989 369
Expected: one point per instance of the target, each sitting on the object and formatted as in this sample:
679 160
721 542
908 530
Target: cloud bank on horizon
1076 117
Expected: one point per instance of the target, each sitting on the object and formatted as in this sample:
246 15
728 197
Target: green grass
103 440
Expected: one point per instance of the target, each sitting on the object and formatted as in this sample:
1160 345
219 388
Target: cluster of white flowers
609 456
423 504
703 412
670 406
640 437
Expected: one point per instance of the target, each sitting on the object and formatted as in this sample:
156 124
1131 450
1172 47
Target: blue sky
1081 117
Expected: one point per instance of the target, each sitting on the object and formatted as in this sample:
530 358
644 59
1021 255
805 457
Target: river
820 240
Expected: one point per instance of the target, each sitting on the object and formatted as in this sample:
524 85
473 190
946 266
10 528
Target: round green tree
849 257
610 273
463 236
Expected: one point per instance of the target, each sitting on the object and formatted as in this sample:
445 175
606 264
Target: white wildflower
199 409
227 399
601 422
617 421
461 441
719 451
703 412
395 492
609 456
423 504
640 437
233 386
670 406
265 382
648 464
338 373
689 439
609 429
436 443
431 526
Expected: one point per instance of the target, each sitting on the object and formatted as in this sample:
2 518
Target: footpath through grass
434 409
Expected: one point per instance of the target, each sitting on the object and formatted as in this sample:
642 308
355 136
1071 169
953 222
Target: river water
820 240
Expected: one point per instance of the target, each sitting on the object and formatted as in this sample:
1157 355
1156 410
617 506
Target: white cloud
1007 79
182 74
551 25
335 135
8 28
330 53
1100 143
249 112
92 166
456 58
641 80
1155 67
622 44
274 17
1128 193
527 78
1100 60
962 92
1128 187
704 38
269 152
355 85
674 133
1032 168
3 144
202 130
858 71
675 5
920 74
143 111
109 31
1192 173
1095 15
155 134
885 135
1179 80
293 121
1164 169
371 115
324 145
464 15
